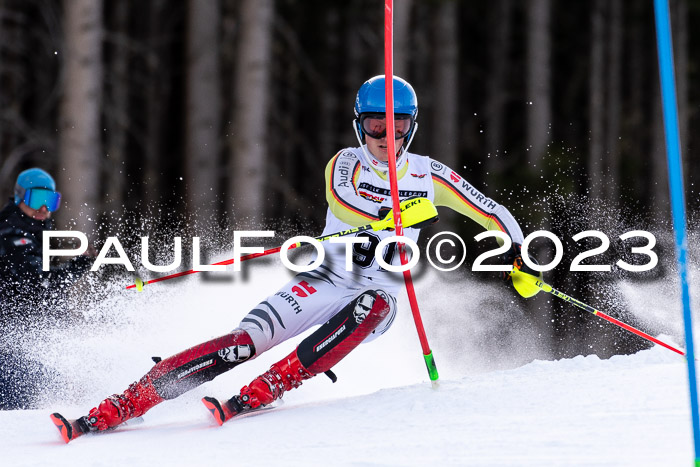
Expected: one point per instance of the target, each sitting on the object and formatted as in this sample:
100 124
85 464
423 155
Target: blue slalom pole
675 177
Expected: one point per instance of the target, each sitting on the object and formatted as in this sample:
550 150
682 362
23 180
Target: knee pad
343 332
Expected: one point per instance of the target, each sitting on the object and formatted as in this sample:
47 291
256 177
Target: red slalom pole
393 182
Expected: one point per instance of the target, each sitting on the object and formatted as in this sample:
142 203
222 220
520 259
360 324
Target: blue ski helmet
37 188
371 99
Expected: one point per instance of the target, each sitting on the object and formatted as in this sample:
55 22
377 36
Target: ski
69 429
223 411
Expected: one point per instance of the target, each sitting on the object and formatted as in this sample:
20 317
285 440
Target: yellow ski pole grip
526 284
415 212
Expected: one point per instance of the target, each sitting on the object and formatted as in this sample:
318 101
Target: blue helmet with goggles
370 118
36 188
371 100
371 97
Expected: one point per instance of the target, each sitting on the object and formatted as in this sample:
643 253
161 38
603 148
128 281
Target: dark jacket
26 291
31 300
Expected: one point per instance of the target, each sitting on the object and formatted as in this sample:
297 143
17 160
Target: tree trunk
680 53
539 110
335 59
155 92
117 113
658 176
613 114
596 102
80 150
402 34
496 89
248 138
636 110
7 169
203 111
538 131
353 75
445 111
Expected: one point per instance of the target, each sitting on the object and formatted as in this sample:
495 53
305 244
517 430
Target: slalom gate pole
517 275
418 211
675 176
393 182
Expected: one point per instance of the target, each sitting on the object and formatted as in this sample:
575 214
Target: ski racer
30 298
351 307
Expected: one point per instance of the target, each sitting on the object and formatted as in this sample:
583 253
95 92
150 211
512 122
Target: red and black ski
69 429
223 411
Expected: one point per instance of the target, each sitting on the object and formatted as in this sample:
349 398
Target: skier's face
378 147
374 128
40 214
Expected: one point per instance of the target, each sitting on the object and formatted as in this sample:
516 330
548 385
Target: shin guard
343 332
172 377
178 374
319 352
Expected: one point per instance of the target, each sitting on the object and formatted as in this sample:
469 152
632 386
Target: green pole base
432 369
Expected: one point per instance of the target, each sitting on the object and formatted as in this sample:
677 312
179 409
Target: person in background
30 299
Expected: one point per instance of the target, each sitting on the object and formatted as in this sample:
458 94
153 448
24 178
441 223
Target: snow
513 409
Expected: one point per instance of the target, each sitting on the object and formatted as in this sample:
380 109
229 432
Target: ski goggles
35 198
374 125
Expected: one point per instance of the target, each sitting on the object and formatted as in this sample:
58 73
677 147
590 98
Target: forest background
197 117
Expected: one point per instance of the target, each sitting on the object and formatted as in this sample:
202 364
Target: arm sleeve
456 193
344 199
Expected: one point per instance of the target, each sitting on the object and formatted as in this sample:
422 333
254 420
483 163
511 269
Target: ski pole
418 212
522 280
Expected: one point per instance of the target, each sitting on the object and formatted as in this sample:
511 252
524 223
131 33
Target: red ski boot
114 410
118 408
282 376
168 379
316 354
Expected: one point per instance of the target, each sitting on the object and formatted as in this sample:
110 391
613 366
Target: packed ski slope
510 409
